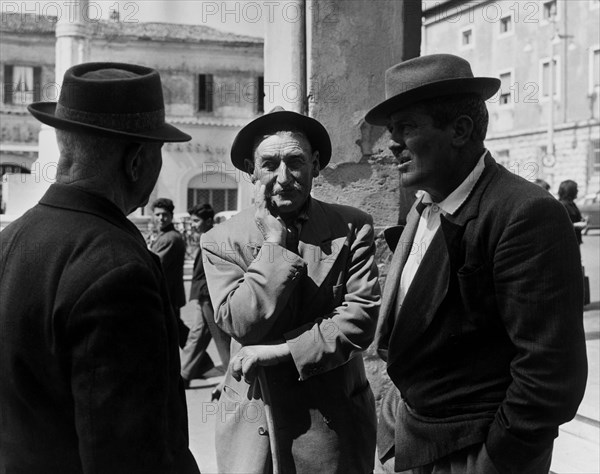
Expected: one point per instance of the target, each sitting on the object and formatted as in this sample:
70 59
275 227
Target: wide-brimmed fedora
427 77
276 120
117 100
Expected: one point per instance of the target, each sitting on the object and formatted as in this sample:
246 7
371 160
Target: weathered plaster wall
352 43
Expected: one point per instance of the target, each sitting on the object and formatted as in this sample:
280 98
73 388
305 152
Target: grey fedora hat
117 100
427 77
280 119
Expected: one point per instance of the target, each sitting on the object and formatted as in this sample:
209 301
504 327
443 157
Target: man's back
83 341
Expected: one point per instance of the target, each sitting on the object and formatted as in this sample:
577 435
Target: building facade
210 81
544 122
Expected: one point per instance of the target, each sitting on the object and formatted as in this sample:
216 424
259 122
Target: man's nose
396 148
283 174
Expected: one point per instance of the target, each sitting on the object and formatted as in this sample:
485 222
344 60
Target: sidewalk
577 448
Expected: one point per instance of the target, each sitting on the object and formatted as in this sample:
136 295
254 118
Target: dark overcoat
488 344
88 345
323 301
170 248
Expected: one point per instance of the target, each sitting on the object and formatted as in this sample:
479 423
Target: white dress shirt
429 223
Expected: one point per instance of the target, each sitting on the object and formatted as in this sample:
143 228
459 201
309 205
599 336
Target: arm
123 378
333 339
248 301
538 280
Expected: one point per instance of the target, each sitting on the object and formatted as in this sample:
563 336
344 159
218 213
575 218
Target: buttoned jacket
323 301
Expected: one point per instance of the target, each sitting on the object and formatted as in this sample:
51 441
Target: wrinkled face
424 151
162 217
286 165
200 225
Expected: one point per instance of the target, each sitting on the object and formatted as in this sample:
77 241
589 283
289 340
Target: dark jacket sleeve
538 282
129 408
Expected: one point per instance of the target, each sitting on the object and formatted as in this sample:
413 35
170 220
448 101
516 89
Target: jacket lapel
431 282
392 282
319 246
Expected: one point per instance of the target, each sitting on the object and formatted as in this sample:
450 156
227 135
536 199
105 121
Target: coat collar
73 198
320 241
422 301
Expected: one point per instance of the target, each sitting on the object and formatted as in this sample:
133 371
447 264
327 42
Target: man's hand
249 358
272 228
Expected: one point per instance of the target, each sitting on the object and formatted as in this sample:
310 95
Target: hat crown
111 94
425 70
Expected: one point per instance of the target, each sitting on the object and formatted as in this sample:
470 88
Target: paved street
577 449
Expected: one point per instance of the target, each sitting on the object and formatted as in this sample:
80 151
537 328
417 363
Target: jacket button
262 431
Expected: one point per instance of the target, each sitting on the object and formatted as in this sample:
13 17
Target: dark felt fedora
117 100
427 77
276 120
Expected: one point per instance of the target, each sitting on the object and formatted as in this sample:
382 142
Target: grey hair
83 156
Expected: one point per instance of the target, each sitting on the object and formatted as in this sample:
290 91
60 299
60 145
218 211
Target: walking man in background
195 361
482 314
88 339
170 248
293 280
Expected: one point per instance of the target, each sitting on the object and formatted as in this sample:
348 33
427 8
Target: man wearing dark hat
293 280
481 317
89 357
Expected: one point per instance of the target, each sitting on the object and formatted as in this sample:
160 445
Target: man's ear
316 164
463 130
132 161
249 165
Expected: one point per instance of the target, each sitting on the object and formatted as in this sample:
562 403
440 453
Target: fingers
235 367
259 195
244 364
249 366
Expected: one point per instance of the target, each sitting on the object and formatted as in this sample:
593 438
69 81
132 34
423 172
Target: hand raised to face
272 228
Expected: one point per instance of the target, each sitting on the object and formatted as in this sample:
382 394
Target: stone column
352 43
72 47
285 55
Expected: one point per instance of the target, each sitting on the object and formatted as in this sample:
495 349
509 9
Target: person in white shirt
481 320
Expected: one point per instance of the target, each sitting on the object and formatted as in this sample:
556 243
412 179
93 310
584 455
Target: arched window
217 189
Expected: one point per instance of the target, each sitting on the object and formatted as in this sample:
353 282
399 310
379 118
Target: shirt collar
457 197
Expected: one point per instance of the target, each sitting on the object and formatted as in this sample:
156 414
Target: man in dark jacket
195 361
481 318
88 345
170 248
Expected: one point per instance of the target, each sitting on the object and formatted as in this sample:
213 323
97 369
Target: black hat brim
243 144
45 112
485 87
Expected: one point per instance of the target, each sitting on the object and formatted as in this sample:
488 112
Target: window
205 93
505 88
22 84
548 82
219 199
219 189
506 25
595 154
466 38
260 94
549 10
